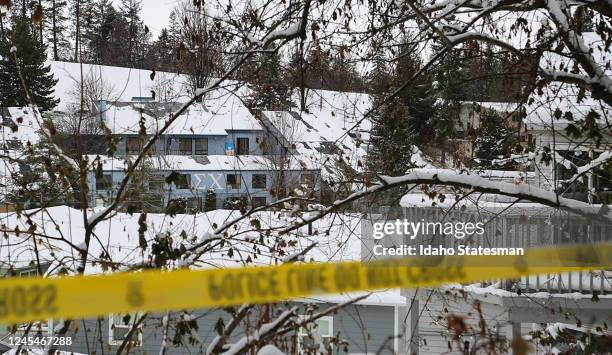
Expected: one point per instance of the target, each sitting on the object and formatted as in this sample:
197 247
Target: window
132 145
233 181
258 181
28 273
321 328
242 146
119 326
185 146
38 329
307 179
104 182
201 146
182 181
258 201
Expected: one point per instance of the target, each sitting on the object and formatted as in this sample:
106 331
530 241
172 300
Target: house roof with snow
216 115
19 124
330 132
119 236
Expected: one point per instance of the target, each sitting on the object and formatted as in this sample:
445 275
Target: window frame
195 146
107 186
255 205
237 185
187 184
308 179
130 142
182 140
238 146
121 325
304 331
265 181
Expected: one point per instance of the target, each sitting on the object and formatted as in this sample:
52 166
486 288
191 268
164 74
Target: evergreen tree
82 15
391 136
30 53
418 96
130 12
99 33
495 139
56 28
448 90
161 53
269 88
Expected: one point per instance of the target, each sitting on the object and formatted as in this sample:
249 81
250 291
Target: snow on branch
473 182
601 83
298 29
603 159
266 329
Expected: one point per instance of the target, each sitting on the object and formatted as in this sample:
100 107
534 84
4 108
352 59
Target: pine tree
269 88
418 96
391 136
82 17
99 32
448 90
22 42
495 139
130 12
56 28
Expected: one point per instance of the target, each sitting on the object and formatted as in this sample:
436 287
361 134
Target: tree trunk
78 30
1 25
54 30
40 28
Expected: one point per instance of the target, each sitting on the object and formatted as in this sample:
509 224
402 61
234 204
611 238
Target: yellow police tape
30 299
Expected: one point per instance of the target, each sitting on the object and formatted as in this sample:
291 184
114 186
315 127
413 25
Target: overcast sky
155 13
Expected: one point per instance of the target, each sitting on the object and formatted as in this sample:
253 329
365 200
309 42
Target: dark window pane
259 181
185 146
201 146
242 146
307 179
258 201
132 145
105 182
233 181
182 181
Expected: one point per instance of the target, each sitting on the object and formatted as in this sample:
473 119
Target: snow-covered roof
541 115
332 127
115 83
120 237
19 124
204 163
217 115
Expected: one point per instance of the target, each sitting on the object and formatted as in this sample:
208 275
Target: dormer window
132 145
242 146
185 146
201 146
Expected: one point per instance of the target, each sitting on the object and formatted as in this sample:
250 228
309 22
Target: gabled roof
332 131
